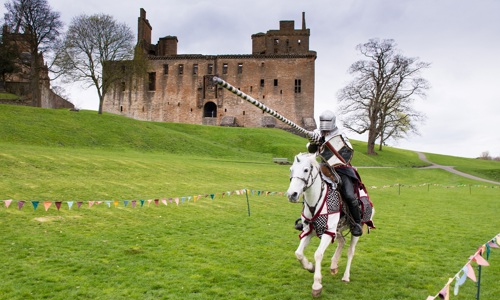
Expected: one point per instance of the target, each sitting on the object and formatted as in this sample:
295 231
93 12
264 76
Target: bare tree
379 99
36 19
90 47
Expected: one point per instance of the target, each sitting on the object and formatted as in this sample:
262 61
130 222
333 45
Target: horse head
303 173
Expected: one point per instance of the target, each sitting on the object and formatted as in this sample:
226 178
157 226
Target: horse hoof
312 270
334 271
346 280
316 293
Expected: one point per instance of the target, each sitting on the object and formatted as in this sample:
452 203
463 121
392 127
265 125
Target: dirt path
451 169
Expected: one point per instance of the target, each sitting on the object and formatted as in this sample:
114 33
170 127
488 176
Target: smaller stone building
178 88
19 83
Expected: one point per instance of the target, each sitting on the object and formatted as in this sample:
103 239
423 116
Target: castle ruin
279 73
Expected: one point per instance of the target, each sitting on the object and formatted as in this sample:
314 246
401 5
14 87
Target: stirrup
298 224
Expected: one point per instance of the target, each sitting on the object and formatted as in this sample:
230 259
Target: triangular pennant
70 204
470 272
212 196
47 204
115 203
461 279
164 201
134 203
20 204
156 202
142 203
58 205
79 203
194 198
177 201
183 199
430 298
91 203
149 202
108 203
35 205
125 202
445 291
7 203
189 198
170 199
480 260
493 245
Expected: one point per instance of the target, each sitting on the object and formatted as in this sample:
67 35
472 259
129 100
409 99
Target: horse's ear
297 158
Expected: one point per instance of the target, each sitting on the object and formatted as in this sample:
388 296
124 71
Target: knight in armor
348 176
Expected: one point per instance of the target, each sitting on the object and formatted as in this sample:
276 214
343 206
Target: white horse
321 215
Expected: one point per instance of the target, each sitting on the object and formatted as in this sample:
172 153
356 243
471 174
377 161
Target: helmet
327 121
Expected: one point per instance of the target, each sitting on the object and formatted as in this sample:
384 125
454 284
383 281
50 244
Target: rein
307 185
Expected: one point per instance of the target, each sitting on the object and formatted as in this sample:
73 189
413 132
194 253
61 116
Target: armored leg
347 191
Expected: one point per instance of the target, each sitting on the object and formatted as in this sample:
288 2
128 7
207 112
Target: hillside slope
87 129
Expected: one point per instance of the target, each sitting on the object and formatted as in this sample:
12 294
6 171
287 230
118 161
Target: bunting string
136 203
467 271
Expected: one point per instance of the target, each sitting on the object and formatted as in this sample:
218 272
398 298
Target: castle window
275 82
298 42
243 112
276 42
195 69
121 108
224 68
251 88
298 86
152 81
181 69
165 69
210 69
240 68
262 82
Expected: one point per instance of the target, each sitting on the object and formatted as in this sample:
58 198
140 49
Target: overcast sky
460 38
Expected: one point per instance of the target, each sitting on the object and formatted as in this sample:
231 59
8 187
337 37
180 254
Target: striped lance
260 105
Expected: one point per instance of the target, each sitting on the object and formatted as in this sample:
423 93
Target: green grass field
428 221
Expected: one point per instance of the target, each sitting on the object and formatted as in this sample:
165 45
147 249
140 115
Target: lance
260 105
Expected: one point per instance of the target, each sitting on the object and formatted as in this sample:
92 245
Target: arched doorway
210 110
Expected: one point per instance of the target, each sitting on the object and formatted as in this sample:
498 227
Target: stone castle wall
178 87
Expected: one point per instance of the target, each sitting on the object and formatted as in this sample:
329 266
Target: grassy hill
87 129
429 221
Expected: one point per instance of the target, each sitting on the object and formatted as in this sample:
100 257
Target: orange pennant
47 204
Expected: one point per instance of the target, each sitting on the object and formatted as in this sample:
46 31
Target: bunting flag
467 270
177 200
7 202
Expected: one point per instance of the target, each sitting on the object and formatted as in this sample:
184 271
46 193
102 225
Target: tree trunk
371 142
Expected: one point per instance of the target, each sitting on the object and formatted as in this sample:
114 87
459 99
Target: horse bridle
306 186
306 180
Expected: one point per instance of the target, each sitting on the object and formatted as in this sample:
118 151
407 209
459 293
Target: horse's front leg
334 267
350 256
299 253
317 287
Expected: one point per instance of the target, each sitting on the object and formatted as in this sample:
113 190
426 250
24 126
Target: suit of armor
349 179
